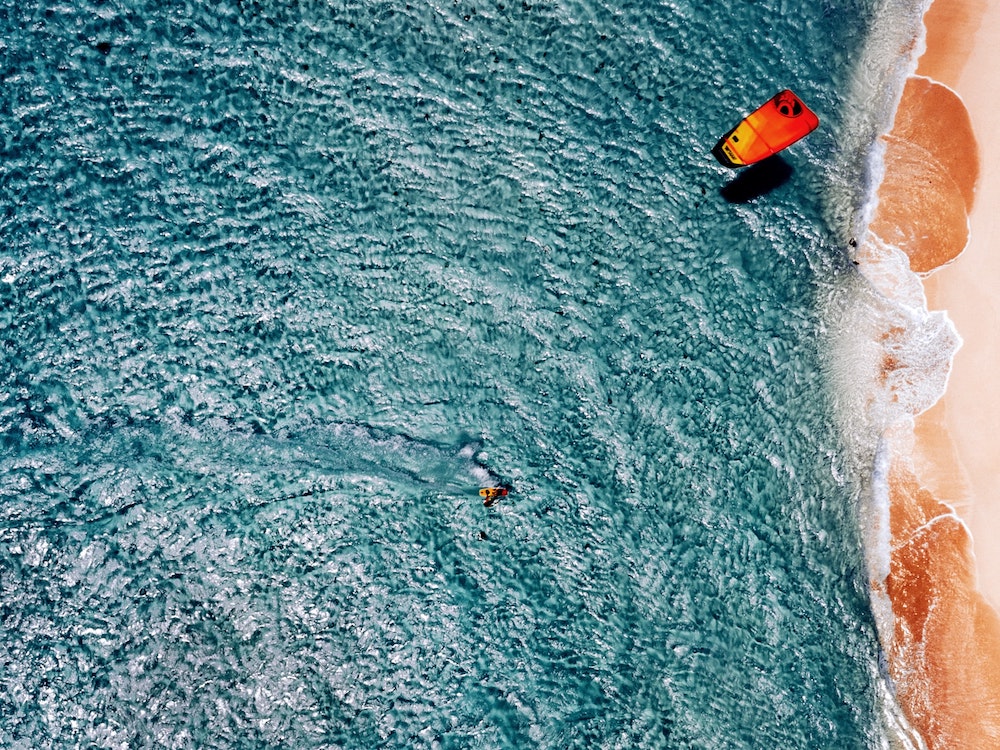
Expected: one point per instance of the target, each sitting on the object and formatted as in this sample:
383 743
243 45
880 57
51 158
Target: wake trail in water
109 474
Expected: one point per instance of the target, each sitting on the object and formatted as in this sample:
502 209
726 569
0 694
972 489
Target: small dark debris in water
853 242
104 47
482 536
126 508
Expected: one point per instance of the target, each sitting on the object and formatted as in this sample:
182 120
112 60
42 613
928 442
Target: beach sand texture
970 291
938 203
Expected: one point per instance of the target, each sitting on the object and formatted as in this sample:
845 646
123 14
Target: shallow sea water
284 284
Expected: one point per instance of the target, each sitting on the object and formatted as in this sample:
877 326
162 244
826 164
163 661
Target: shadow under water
757 180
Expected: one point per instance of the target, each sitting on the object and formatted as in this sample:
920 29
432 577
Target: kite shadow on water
757 180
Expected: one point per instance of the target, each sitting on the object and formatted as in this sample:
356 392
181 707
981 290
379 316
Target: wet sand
944 645
945 650
931 169
969 290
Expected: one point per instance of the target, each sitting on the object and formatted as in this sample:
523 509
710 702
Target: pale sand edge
969 289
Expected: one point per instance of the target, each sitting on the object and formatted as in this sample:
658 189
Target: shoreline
935 204
970 410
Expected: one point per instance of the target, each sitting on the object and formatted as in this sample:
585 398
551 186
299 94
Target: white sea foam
890 356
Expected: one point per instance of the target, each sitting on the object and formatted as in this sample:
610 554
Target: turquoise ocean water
285 283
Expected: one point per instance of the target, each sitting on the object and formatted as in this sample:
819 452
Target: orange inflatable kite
492 494
772 127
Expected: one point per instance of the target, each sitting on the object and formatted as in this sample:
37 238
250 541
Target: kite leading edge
772 127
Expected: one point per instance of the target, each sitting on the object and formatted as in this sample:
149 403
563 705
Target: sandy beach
937 203
969 288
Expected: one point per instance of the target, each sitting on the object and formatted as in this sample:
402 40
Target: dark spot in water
757 180
104 47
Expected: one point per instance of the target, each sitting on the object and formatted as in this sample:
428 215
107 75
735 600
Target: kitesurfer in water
492 494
